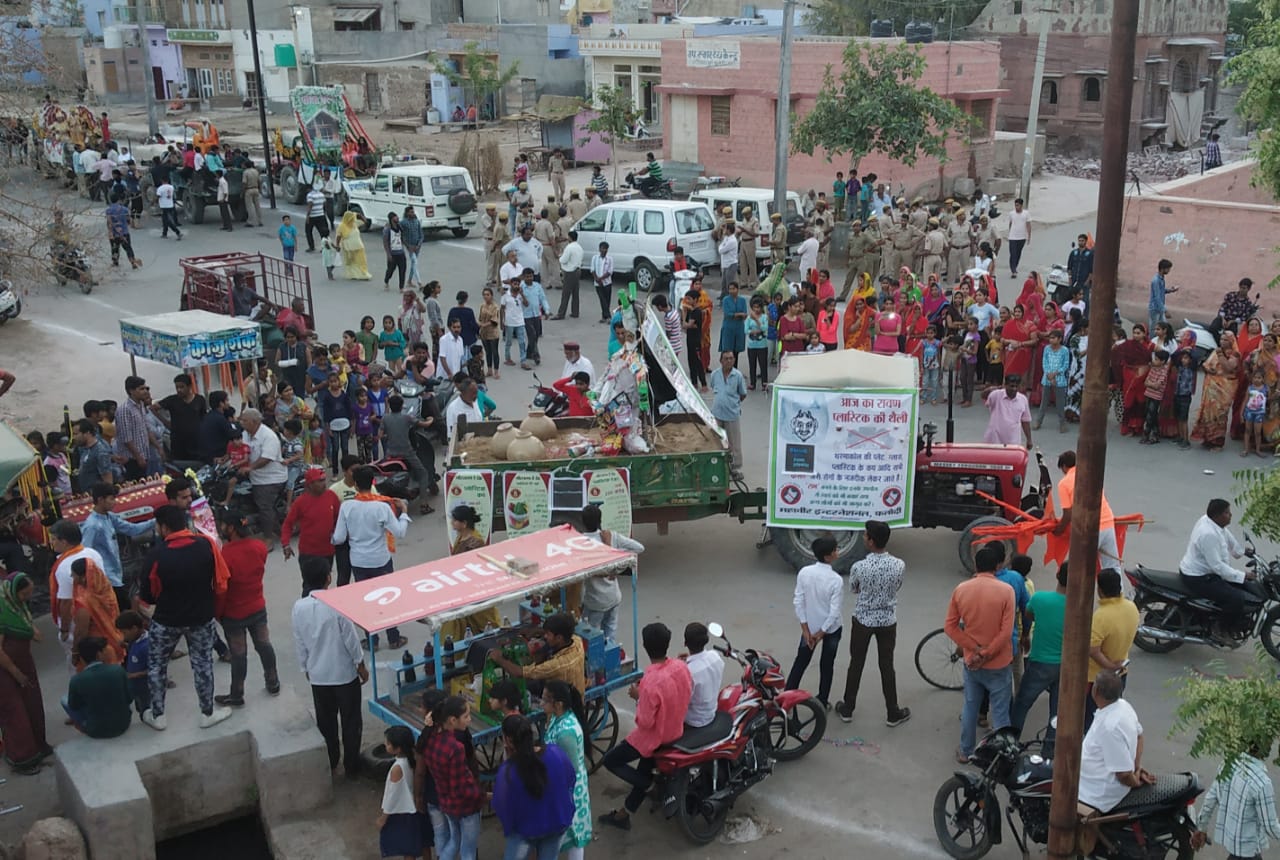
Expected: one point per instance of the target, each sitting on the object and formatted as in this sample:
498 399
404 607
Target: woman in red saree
966 288
96 608
1221 374
1248 341
1032 299
1045 320
859 320
1130 361
934 300
914 325
1020 341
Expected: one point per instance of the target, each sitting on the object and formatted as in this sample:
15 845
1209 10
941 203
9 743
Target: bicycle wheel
939 661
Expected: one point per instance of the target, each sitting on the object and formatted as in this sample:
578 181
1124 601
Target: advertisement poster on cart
472 487
840 458
526 502
610 490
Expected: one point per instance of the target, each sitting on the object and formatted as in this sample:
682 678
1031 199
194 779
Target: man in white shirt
571 271
818 600
168 215
1019 234
265 471
602 276
510 271
198 161
808 251
316 220
364 523
574 361
1111 756
451 356
1206 566
224 200
528 249
728 251
329 654
465 403
66 540
707 668
512 303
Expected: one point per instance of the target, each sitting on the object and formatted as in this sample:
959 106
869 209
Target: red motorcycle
756 722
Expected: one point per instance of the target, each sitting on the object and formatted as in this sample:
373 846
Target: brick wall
1211 240
748 150
402 88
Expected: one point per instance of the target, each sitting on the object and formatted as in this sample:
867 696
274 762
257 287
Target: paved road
876 796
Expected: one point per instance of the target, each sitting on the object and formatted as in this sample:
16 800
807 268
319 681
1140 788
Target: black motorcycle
1153 822
1173 616
654 189
222 485
70 264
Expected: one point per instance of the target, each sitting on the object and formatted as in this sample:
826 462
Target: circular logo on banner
515 492
891 497
790 494
455 490
595 491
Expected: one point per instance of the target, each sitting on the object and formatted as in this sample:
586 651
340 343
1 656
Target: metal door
684 128
372 92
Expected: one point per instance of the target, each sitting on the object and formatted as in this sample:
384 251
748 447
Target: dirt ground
671 438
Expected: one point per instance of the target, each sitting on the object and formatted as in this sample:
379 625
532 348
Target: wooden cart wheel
489 756
602 731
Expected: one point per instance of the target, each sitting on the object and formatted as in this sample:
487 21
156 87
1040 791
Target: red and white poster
610 490
472 487
526 502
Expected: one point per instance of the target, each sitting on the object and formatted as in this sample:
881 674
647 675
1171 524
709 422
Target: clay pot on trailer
502 439
539 425
526 446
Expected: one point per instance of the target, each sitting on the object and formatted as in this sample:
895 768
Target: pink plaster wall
1211 240
748 151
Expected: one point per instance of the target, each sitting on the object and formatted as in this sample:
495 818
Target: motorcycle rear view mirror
715 629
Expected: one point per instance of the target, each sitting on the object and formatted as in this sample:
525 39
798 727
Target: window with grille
720 115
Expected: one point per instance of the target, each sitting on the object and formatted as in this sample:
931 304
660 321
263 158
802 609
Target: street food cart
194 340
524 570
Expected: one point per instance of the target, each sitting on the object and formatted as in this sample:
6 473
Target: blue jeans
542 848
462 835
1037 678
288 251
439 826
411 258
516 333
996 683
929 384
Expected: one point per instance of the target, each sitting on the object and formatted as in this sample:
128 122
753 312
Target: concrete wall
748 150
277 80
528 45
1181 17
130 77
1212 240
402 87
1010 148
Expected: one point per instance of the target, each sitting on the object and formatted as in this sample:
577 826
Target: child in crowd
968 361
774 312
338 362
315 444
366 427
930 365
133 631
57 465
400 826
328 256
505 698
814 346
37 440
1157 377
828 325
107 424
475 364
368 340
378 388
288 239
392 342
1184 388
995 360
1255 411
353 355
291 453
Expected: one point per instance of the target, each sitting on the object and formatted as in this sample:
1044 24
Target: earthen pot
526 446
539 425
501 439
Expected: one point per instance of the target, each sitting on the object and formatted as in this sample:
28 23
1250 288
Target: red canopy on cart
460 584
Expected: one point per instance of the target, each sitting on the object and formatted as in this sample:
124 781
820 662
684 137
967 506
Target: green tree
481 78
1258 496
1257 70
1229 716
877 105
614 111
854 17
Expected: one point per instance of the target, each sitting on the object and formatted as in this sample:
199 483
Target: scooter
71 264
1206 342
10 304
551 401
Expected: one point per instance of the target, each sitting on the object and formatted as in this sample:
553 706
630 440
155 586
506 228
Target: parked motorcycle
1172 616
71 264
707 769
550 400
426 401
10 304
650 188
222 485
1151 823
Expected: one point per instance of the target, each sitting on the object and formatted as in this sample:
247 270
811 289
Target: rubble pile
1150 167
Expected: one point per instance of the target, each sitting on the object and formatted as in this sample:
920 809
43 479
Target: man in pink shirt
1010 420
662 698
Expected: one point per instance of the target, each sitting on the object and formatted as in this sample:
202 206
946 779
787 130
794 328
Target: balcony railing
152 13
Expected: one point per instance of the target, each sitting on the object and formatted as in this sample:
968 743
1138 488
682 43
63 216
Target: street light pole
782 145
1091 453
262 103
1033 111
148 83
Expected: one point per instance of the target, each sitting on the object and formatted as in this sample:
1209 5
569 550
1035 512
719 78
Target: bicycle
943 659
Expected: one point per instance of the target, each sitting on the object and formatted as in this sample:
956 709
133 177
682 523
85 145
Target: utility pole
149 81
782 145
1033 111
262 103
1091 453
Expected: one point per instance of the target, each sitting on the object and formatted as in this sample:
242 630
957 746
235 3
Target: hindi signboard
841 457
712 54
189 339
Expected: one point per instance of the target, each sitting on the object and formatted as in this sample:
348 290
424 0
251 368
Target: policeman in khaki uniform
778 239
959 249
822 221
576 207
544 230
884 228
501 236
724 222
593 199
748 234
945 217
906 238
864 250
935 243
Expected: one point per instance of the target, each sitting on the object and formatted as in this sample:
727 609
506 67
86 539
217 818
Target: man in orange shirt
1108 548
980 621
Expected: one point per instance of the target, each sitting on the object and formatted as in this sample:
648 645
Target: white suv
441 194
643 235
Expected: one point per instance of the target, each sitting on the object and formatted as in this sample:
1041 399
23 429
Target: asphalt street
868 792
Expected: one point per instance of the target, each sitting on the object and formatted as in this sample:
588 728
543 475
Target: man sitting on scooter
420 368
1111 756
652 173
1206 567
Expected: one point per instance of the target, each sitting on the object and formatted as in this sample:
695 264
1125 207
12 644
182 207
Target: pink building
719 98
1215 229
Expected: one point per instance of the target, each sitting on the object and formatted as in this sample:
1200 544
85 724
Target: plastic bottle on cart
408 673
467 636
506 621
488 627
448 657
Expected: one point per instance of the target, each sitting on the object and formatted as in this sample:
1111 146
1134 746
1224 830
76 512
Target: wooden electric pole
1091 449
